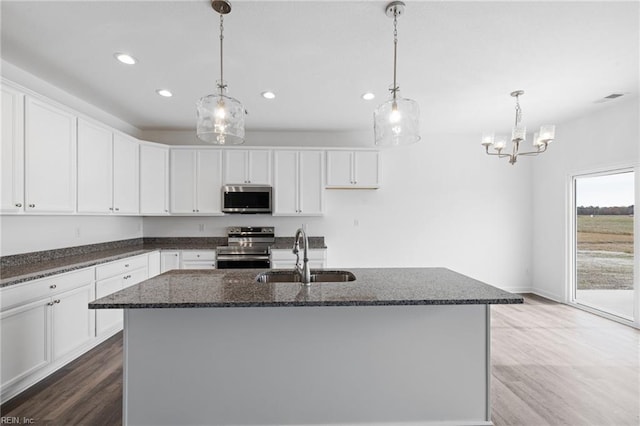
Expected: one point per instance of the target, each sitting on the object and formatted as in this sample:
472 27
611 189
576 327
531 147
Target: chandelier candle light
397 121
519 134
220 117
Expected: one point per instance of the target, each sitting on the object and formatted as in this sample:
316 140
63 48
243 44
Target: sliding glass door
604 242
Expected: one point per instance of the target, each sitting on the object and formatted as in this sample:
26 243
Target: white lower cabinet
285 259
44 324
198 259
112 277
169 259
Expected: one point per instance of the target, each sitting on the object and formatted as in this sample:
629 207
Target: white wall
23 234
443 202
607 138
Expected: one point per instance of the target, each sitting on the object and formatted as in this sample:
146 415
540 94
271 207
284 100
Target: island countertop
228 288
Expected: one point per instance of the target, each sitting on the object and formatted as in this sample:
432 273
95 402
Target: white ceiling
459 60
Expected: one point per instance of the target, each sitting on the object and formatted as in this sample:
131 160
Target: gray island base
397 346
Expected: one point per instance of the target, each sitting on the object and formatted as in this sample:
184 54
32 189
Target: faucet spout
304 271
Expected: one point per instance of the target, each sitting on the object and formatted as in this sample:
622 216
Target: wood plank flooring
552 365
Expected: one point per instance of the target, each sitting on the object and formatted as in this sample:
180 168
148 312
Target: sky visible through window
605 191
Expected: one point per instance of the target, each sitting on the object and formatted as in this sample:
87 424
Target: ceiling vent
609 97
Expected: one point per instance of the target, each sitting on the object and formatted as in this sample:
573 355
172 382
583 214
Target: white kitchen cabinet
107 170
50 158
115 276
73 323
198 259
298 180
154 179
125 175
353 169
12 151
247 167
196 179
44 322
154 264
285 259
95 168
169 259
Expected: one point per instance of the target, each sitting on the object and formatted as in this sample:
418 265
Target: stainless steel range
248 247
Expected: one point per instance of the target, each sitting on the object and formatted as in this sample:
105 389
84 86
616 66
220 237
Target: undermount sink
320 276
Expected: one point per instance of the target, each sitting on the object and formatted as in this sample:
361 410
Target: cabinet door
285 192
235 166
154 264
12 152
367 169
169 260
259 167
339 168
50 158
95 171
73 322
209 181
25 340
108 319
154 180
183 179
125 175
310 190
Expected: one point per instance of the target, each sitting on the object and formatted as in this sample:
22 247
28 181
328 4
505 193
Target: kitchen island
395 346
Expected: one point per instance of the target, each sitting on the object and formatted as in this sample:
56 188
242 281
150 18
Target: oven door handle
226 257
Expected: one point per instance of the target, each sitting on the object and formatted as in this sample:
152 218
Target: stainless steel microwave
246 199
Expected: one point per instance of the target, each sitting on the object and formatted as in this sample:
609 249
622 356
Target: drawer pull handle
126 265
18 204
56 301
52 286
50 304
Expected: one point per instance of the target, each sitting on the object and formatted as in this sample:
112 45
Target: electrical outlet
201 227
356 222
77 232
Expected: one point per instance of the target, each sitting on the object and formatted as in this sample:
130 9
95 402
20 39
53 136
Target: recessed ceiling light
268 95
368 96
125 59
164 92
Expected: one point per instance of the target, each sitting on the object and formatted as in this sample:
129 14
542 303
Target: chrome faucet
304 271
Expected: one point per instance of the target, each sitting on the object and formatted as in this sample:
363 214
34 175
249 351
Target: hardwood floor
552 365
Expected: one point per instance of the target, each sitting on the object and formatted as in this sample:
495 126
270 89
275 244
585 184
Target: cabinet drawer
204 255
195 264
45 287
121 266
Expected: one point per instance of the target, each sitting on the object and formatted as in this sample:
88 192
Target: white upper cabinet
50 158
298 180
196 179
12 151
125 175
353 169
107 170
247 167
154 180
95 168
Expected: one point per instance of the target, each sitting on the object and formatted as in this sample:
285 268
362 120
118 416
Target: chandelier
541 140
397 121
220 117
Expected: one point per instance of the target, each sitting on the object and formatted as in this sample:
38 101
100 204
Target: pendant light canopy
397 121
220 117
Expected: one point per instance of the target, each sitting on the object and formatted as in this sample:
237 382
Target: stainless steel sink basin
317 275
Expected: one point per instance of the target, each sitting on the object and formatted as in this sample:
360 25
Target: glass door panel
604 251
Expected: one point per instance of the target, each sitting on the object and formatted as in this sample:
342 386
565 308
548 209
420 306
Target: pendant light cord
221 84
394 90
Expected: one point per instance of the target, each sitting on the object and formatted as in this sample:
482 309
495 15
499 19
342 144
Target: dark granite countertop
373 286
31 266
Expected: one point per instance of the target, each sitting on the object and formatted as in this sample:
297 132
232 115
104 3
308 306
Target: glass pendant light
397 121
220 117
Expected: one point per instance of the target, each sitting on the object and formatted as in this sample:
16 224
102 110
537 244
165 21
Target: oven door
231 261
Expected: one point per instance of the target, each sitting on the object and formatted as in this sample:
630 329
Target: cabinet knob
117 209
50 304
111 208
18 204
126 265
197 255
52 286
166 211
56 301
32 205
